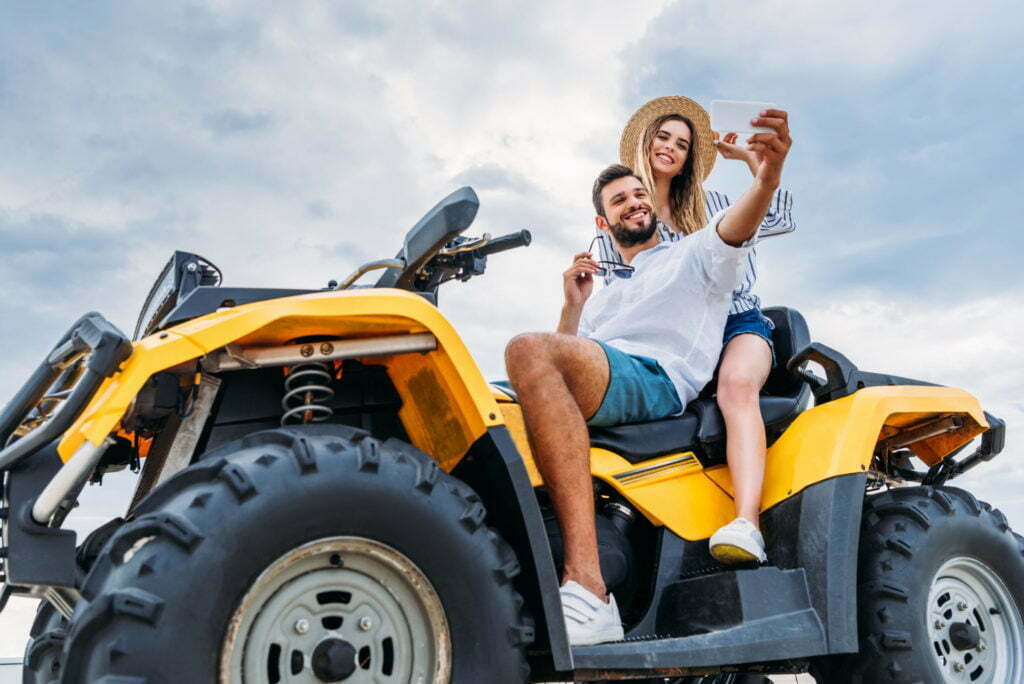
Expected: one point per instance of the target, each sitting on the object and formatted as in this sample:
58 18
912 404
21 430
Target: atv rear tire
41 664
304 554
940 592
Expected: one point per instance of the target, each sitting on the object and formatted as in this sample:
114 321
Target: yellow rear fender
446 404
840 437
836 438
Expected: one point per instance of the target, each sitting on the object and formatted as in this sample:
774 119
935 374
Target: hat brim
662 106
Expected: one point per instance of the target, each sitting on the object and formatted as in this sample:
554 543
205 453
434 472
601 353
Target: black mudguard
494 468
37 554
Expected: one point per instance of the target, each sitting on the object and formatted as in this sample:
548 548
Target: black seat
700 428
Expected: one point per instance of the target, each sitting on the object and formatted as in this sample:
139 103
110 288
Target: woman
669 143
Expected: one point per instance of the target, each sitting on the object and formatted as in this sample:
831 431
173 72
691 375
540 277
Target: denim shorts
750 321
638 390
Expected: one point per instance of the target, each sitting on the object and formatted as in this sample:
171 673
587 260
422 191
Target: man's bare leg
561 381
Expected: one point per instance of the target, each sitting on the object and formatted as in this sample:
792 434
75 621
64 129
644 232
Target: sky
290 142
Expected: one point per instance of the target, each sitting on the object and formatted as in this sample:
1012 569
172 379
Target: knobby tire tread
122 594
901 529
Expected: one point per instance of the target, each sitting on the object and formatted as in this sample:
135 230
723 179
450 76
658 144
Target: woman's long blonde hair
686 197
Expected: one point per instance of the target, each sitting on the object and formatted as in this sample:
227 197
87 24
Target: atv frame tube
106 349
69 478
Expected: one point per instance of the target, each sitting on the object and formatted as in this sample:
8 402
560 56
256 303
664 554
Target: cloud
233 122
974 346
902 160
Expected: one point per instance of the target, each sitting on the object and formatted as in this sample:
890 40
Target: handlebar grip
506 242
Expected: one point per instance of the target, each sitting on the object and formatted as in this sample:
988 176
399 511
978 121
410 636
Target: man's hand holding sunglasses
577 285
578 279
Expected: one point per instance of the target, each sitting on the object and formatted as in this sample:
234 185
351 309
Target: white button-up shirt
777 221
673 308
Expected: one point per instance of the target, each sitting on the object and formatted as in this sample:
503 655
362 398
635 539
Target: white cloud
974 346
854 44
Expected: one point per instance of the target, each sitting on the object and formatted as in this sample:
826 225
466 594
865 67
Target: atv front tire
41 664
940 592
304 554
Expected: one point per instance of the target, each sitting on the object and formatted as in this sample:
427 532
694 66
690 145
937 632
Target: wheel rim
967 592
339 609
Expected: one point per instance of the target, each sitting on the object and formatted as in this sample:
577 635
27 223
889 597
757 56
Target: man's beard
627 237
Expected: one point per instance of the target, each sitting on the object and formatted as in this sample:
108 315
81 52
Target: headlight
182 274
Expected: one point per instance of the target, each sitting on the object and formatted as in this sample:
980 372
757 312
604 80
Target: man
641 349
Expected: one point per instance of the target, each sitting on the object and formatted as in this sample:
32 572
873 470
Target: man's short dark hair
612 173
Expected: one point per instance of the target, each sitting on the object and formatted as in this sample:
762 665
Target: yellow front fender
447 405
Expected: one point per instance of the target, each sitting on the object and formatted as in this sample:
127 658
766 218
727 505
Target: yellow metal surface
513 416
499 396
839 437
468 406
670 490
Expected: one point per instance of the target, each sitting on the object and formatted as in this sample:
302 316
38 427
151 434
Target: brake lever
467 246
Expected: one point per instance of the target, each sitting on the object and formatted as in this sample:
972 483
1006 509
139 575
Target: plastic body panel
803 606
837 438
446 403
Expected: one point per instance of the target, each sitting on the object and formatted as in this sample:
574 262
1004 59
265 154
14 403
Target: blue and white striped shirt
778 221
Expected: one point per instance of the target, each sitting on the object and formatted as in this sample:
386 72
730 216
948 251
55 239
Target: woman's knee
738 386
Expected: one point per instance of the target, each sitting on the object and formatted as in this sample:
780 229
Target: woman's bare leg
746 362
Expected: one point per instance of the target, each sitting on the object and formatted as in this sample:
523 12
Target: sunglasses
616 268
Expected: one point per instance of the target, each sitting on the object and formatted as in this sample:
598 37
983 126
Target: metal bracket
921 432
238 354
334 350
64 600
191 429
166 459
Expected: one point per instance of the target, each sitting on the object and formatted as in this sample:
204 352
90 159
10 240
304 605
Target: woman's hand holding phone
771 148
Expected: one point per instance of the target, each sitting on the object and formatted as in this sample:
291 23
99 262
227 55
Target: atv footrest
753 616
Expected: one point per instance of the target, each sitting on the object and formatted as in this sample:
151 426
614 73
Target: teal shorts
638 390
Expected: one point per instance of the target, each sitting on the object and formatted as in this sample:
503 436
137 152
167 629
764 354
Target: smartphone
730 116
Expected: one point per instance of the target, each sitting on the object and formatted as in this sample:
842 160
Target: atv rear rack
843 378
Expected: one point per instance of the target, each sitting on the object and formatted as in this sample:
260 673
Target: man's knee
526 351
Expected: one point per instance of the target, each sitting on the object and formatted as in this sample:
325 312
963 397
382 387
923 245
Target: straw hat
674 104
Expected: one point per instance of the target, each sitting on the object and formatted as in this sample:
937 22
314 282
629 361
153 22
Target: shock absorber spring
306 390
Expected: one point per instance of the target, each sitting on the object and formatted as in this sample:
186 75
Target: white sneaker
738 542
588 619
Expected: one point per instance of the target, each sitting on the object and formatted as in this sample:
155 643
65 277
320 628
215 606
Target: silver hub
966 592
331 601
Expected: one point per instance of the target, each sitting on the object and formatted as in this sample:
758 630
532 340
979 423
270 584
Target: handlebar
505 242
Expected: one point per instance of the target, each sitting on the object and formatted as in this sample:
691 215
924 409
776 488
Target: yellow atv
330 491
